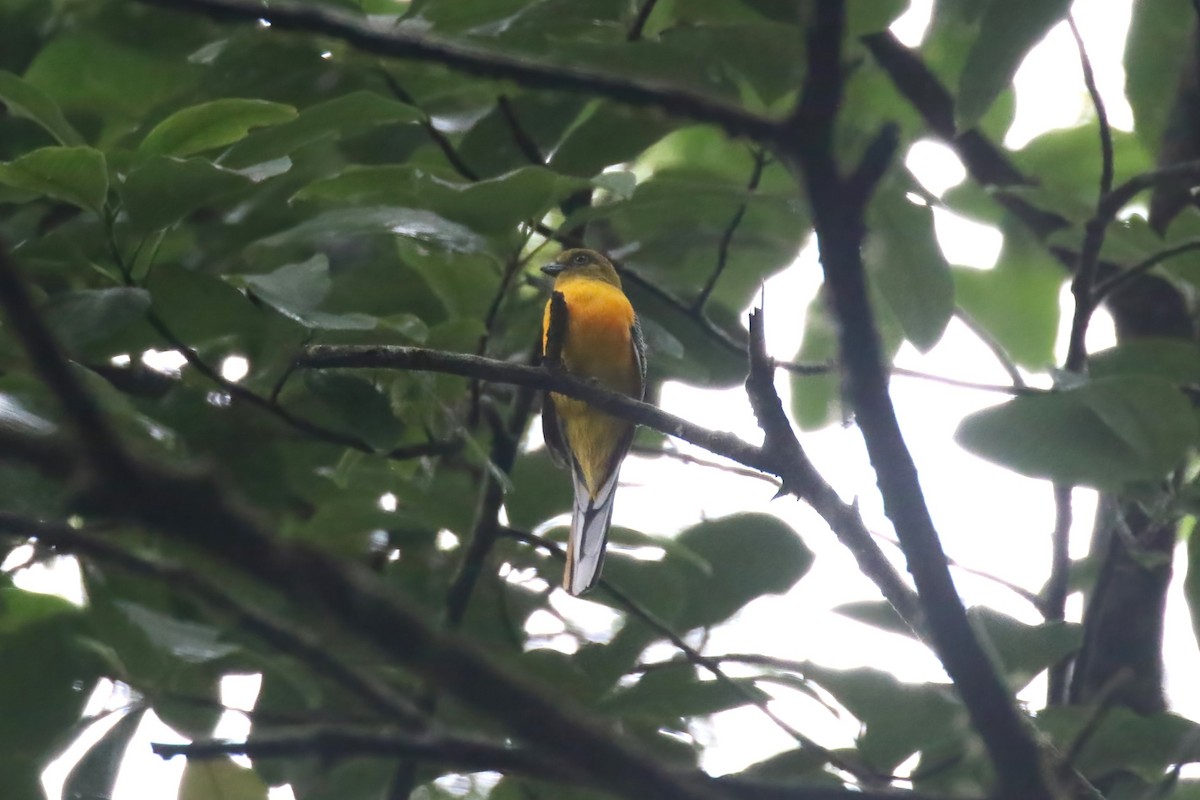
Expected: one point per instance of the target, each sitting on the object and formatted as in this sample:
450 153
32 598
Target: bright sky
987 517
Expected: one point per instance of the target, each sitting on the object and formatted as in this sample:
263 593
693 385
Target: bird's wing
639 355
552 432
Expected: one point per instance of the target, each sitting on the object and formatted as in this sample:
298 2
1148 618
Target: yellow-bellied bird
601 341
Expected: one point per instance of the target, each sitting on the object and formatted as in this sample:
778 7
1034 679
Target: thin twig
1122 279
992 344
1089 80
1054 596
760 161
440 139
825 369
686 458
335 742
639 22
522 139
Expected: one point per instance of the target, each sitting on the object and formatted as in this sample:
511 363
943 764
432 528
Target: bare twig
440 139
685 458
1089 80
1054 596
760 160
1120 280
990 342
825 369
522 139
639 22
333 742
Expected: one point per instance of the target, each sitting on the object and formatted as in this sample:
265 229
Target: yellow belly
598 346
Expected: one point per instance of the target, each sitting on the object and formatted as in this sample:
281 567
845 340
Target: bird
600 342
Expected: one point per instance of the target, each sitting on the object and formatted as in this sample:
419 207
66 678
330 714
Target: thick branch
487 64
305 645
838 220
421 359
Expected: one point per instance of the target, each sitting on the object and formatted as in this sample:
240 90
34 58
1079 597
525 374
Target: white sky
987 517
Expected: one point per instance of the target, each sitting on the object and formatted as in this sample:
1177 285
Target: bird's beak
553 269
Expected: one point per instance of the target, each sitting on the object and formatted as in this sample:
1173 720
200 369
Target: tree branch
487 64
301 643
838 220
332 742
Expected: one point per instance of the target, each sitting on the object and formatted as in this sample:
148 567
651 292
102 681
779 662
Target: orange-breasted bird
601 341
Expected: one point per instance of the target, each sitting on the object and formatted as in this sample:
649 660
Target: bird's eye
579 259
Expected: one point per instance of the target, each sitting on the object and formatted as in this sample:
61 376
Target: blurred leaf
211 125
19 608
77 175
1008 30
23 99
751 555
1016 301
1123 740
490 206
220 778
119 83
343 115
85 320
898 719
1156 51
189 641
1022 651
48 675
415 223
903 256
163 190
541 490
94 776
1169 359
816 398
1108 433
675 692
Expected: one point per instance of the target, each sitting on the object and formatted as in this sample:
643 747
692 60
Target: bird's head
582 263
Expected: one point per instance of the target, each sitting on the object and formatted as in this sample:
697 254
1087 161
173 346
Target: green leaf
750 554
1007 32
1191 582
816 398
1108 434
163 190
413 223
293 288
84 321
1169 359
95 775
490 206
673 692
192 642
1156 51
220 778
541 490
1022 651
1123 740
23 99
1017 300
211 125
77 175
904 258
19 608
347 114
898 718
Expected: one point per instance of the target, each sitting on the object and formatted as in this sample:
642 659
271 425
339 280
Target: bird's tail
589 532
